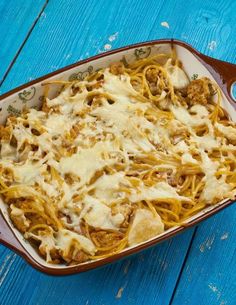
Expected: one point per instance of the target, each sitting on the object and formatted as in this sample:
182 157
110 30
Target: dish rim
221 71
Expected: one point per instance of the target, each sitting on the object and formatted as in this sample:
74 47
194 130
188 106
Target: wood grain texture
150 275
209 272
17 19
71 30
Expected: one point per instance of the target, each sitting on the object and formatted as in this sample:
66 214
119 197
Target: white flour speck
215 290
207 243
212 45
67 56
224 236
126 268
119 293
43 15
165 24
113 37
107 46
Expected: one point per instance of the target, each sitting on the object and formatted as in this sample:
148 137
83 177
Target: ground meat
75 130
151 75
153 88
45 107
126 210
117 68
137 85
80 257
199 91
106 239
5 133
152 78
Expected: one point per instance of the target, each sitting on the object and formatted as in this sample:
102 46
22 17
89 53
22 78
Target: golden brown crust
199 91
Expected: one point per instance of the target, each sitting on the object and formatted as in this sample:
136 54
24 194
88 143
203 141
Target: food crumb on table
119 293
165 24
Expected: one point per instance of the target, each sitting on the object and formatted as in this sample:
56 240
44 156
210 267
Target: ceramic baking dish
31 95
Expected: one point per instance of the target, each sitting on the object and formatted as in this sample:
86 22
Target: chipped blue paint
17 19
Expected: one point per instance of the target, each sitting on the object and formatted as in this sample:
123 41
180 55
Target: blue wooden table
39 36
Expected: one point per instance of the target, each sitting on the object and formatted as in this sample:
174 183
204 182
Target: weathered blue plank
209 274
17 19
150 275
70 30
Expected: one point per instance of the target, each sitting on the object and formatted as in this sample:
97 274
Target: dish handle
225 73
8 238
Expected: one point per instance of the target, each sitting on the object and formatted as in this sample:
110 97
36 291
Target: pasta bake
116 159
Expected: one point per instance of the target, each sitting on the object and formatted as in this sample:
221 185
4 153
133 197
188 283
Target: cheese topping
177 76
145 226
213 187
114 159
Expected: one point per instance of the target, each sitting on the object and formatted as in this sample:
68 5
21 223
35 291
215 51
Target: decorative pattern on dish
27 95
142 53
81 75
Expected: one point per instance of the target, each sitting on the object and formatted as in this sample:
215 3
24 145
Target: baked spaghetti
116 159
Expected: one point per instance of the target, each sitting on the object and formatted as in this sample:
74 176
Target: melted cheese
27 172
161 190
177 76
117 115
35 116
22 135
214 188
99 215
181 147
7 151
187 158
107 187
19 214
200 110
86 162
118 85
228 131
186 118
145 226
58 124
207 142
65 238
47 242
49 189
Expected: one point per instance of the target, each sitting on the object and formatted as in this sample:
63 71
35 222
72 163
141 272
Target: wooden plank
17 19
210 270
73 30
149 275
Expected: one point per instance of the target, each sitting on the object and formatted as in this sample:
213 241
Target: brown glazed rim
225 75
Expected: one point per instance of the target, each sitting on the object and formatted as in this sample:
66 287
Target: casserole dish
31 95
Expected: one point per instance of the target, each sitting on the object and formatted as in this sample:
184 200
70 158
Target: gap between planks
24 42
183 266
